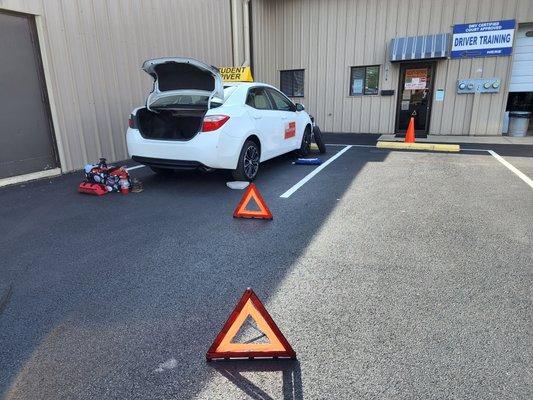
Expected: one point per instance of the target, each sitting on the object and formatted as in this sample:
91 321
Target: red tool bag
92 188
101 179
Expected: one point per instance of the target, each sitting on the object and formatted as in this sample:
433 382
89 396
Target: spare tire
317 134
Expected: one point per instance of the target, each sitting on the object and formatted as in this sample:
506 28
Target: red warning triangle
252 193
250 306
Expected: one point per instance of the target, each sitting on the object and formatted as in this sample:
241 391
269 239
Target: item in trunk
170 125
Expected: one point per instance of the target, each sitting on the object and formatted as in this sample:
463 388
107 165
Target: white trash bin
518 123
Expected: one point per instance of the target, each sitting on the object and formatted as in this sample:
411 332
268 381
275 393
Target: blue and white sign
483 39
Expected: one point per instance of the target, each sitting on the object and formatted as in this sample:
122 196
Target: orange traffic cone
410 134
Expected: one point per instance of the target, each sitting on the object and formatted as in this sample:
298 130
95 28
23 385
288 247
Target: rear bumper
211 150
170 164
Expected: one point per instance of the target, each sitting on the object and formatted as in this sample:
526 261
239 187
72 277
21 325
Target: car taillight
131 122
214 122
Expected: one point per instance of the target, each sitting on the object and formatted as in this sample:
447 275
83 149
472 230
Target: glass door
415 94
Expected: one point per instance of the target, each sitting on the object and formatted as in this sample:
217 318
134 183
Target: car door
265 120
288 140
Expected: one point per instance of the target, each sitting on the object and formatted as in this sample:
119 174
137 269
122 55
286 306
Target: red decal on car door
290 130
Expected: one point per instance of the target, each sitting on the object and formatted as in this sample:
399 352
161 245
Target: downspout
246 31
241 33
235 30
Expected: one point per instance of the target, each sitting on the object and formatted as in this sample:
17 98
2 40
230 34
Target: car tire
248 165
305 147
317 134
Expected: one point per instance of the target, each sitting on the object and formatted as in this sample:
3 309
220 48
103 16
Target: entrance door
26 141
415 95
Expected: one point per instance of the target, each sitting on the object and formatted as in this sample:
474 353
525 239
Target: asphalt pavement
392 274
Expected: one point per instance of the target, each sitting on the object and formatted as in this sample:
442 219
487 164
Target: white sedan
191 120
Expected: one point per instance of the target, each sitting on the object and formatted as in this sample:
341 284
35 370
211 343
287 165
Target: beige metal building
70 71
327 38
91 53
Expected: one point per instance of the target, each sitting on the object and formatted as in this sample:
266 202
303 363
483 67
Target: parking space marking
136 167
309 176
512 168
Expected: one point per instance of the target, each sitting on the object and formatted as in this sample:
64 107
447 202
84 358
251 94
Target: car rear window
178 76
181 100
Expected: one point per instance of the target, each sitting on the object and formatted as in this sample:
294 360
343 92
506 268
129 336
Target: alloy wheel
251 162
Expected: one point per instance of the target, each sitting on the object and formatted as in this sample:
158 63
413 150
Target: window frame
274 105
365 68
264 88
292 71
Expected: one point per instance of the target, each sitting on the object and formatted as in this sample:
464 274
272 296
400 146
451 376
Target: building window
364 80
292 82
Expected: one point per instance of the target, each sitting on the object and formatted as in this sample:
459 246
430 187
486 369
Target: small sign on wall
416 79
439 95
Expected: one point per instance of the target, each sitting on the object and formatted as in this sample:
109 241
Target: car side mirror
300 107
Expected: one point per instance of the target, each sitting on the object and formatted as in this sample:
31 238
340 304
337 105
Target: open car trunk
170 124
183 83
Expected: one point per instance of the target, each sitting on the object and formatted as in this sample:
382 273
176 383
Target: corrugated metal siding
327 37
95 49
522 73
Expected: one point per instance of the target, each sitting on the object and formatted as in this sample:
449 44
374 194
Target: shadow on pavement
5 295
106 289
289 369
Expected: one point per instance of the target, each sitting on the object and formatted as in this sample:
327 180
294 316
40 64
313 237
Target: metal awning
420 47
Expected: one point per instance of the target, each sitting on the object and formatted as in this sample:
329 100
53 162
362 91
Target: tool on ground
410 134
99 177
308 161
250 306
136 186
252 193
96 189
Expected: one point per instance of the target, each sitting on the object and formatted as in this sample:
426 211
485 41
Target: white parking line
512 168
309 176
136 167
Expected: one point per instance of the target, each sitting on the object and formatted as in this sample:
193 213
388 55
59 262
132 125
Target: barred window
292 82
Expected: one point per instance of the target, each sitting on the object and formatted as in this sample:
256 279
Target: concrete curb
15 180
5 295
418 146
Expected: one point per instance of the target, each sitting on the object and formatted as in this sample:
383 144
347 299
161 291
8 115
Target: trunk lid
183 83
